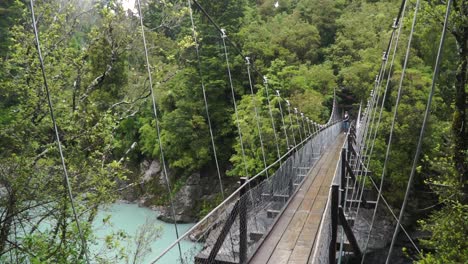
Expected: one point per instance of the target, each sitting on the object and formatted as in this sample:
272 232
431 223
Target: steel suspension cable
397 103
304 126
236 47
371 107
402 8
362 140
156 117
382 197
376 125
282 119
423 128
257 117
369 128
202 81
366 110
57 136
308 125
363 128
365 118
381 112
265 82
298 125
291 122
223 37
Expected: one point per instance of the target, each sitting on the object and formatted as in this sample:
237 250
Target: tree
35 193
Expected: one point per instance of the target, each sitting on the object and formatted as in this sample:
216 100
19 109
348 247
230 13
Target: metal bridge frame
339 200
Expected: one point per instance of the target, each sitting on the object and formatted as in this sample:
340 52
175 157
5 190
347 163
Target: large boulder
152 170
185 202
139 188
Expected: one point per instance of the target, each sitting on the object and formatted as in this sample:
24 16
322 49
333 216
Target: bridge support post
224 232
343 176
243 223
334 223
349 233
350 146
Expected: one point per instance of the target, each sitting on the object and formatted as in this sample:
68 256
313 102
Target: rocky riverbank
197 190
380 238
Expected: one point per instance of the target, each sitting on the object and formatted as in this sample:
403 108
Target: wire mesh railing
232 232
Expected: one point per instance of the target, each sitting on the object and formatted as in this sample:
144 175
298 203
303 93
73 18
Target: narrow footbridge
304 207
290 216
292 237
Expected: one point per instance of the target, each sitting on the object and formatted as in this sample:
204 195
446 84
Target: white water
128 218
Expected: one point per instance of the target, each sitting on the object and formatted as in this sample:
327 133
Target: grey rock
3 192
185 201
382 230
152 170
194 179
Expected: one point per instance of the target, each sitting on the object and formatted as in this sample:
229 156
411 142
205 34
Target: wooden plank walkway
291 240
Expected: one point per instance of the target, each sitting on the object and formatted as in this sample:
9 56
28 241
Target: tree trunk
5 227
5 231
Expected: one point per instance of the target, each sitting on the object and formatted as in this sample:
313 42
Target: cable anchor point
395 25
223 33
384 56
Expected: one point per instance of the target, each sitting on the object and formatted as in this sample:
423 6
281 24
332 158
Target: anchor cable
156 117
57 136
424 124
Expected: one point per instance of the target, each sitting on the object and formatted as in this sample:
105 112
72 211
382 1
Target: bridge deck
292 238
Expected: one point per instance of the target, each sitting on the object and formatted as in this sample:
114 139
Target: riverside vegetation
94 59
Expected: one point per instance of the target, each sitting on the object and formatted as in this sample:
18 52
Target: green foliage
96 68
10 14
448 229
270 40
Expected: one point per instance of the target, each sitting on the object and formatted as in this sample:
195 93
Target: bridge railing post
334 223
349 146
243 222
343 176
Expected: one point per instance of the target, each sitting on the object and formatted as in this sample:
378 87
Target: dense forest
97 75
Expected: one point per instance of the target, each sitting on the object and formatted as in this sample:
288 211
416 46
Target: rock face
151 186
380 238
152 170
185 202
382 231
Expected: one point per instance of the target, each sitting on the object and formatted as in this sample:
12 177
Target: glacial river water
128 218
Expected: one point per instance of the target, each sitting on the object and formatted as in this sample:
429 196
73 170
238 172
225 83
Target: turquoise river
128 218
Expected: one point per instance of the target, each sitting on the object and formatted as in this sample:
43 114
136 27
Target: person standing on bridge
346 121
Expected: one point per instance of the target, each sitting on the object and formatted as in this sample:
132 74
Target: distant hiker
346 121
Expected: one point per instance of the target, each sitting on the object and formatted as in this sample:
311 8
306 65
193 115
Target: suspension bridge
302 207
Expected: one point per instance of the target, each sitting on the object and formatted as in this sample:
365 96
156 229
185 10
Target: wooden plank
300 254
296 226
280 256
292 238
288 241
